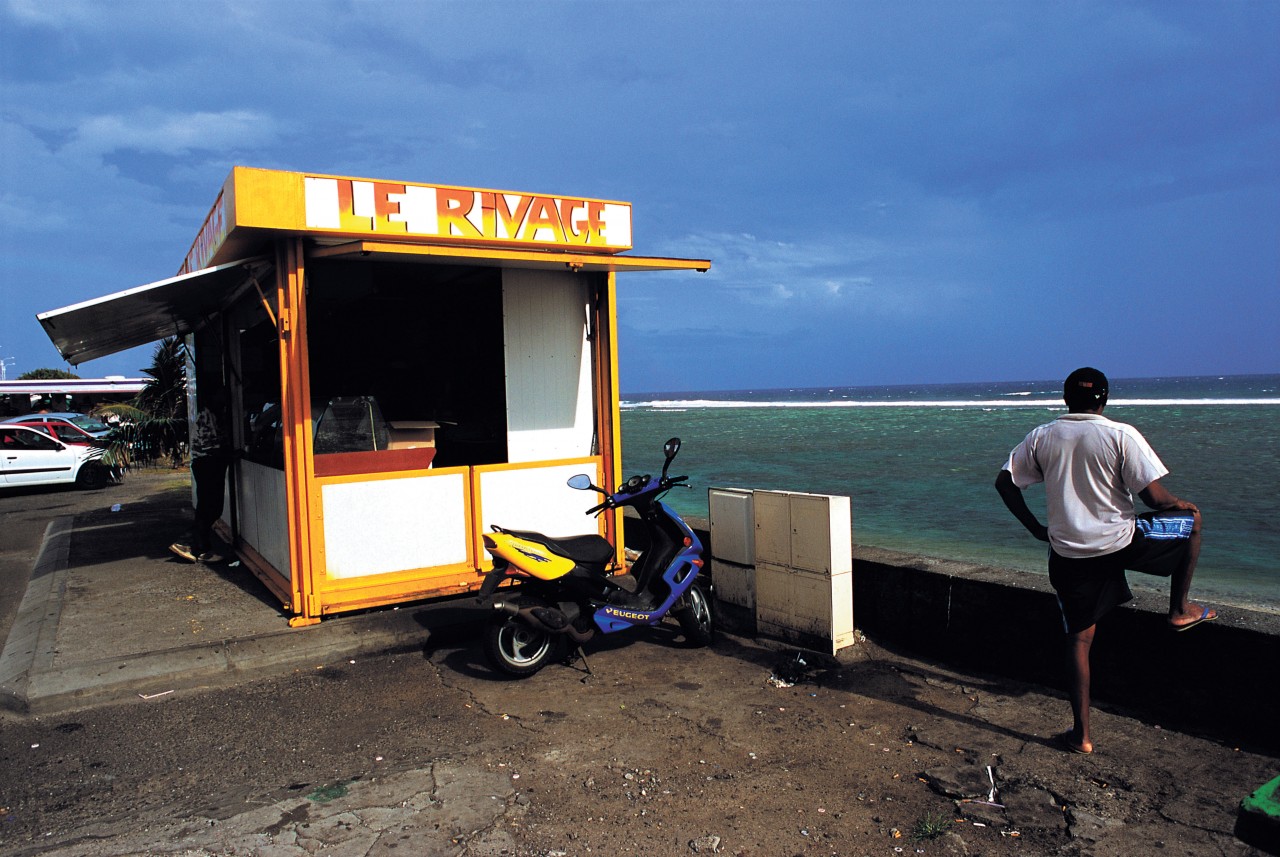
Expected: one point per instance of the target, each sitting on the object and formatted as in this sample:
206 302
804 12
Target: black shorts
1089 587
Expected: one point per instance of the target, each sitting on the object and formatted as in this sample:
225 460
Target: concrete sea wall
1220 680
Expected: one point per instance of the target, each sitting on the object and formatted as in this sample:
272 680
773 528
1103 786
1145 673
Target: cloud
152 130
826 287
759 270
26 214
860 174
56 14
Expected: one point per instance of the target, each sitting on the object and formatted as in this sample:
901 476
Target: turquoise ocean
919 461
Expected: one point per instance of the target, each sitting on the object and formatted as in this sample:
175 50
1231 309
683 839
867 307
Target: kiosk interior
407 365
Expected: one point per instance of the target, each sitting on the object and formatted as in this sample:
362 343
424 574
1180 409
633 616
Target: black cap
1085 389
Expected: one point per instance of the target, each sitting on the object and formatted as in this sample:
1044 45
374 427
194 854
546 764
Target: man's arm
1012 496
1157 497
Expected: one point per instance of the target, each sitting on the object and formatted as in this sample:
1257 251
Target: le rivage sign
360 207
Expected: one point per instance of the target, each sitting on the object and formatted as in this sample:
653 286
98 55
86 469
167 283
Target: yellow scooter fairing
528 556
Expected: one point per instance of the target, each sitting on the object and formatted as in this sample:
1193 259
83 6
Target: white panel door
548 365
263 513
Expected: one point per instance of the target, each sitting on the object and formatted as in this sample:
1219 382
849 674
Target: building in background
78 394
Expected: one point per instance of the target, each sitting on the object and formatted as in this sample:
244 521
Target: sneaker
209 557
183 551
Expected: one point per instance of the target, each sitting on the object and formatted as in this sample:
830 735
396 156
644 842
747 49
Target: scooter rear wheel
694 615
514 648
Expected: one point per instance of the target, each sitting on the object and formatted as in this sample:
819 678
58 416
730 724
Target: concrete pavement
110 614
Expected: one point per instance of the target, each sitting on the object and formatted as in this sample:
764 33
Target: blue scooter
566 589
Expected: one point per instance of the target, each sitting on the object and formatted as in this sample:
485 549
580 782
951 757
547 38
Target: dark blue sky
891 192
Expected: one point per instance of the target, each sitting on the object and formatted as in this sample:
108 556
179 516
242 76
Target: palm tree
154 424
48 375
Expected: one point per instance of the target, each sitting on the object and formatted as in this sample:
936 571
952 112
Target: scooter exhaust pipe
549 620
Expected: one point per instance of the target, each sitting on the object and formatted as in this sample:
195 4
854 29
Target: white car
66 426
31 457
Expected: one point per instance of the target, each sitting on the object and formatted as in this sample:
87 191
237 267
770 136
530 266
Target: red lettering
468 214
543 215
208 239
488 214
572 219
595 222
384 207
508 219
346 199
452 207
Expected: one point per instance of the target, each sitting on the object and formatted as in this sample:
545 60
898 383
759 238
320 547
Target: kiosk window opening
421 346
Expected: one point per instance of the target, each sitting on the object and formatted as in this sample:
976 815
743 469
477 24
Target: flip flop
1067 741
1204 617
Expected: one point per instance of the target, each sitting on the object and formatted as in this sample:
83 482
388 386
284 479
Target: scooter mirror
669 449
580 482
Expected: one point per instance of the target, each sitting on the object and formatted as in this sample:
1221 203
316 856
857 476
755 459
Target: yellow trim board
385 250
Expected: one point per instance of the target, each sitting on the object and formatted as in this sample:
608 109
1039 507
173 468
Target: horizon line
989 404
832 387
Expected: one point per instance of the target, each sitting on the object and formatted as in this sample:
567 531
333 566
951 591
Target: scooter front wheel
694 615
516 649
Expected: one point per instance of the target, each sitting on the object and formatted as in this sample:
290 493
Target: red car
67 427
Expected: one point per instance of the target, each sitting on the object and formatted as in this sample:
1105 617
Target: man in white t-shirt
1091 468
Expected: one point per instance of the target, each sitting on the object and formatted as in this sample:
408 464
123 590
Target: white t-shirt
1092 467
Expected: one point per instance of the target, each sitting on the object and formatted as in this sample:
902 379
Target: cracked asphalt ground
662 750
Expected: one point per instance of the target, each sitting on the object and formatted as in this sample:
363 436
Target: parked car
28 456
66 426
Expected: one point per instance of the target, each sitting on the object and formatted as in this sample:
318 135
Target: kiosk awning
172 307
559 261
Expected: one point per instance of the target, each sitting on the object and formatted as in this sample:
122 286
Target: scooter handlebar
634 487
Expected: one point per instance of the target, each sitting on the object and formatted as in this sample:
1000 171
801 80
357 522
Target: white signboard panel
387 525
537 498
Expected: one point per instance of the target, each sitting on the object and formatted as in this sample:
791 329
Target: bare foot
1194 615
1069 741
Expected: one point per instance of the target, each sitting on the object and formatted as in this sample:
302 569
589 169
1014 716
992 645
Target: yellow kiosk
407 363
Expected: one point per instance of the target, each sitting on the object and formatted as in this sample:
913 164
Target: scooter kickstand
583 657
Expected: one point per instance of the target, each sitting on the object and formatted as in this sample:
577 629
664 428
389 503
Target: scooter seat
590 550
